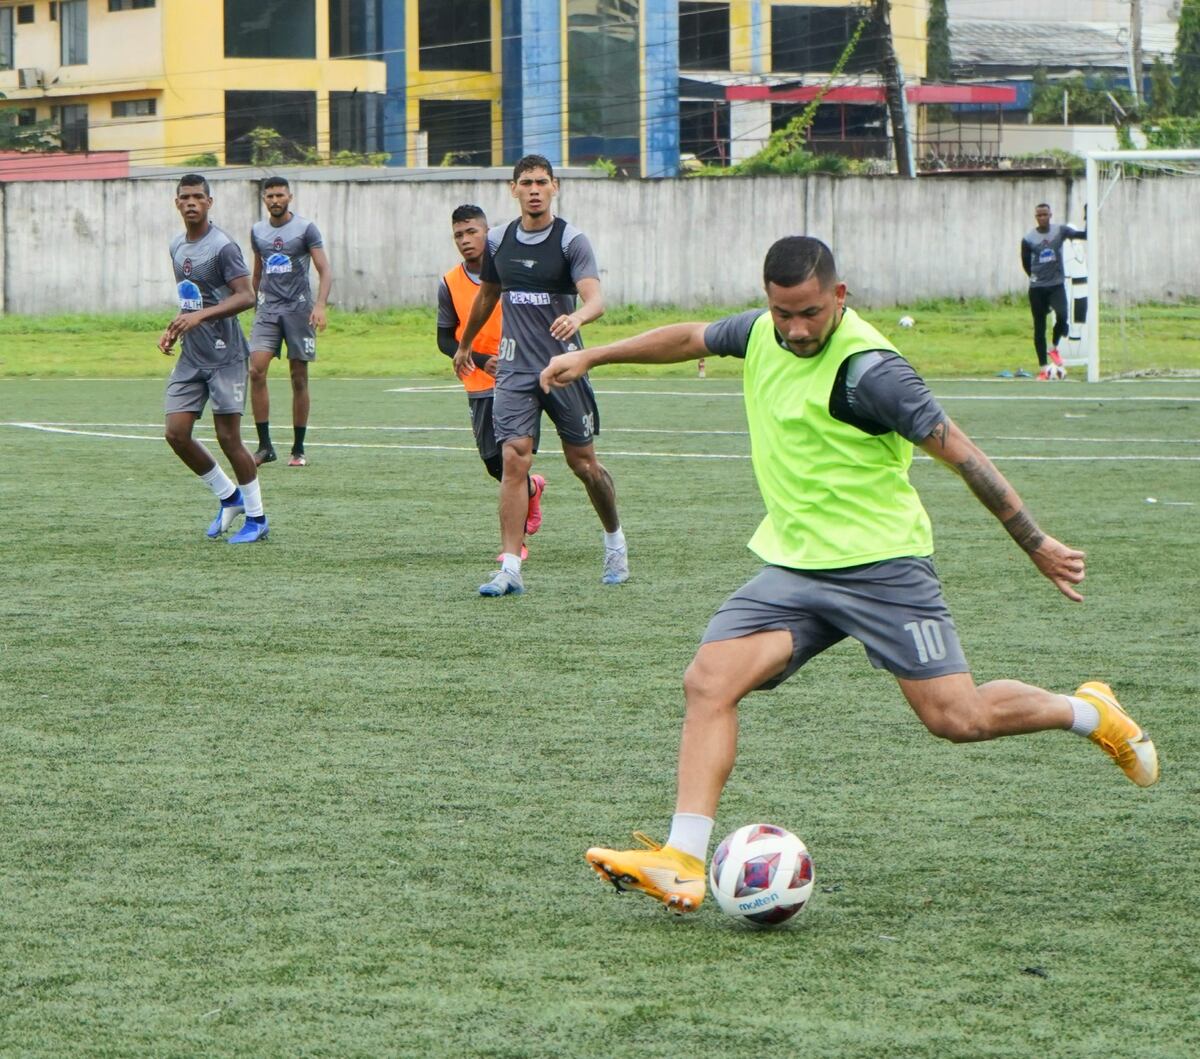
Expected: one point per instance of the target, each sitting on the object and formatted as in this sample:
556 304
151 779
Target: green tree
269 148
937 34
1162 91
1088 102
40 136
1187 60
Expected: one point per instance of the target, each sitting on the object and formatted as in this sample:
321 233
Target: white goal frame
1095 199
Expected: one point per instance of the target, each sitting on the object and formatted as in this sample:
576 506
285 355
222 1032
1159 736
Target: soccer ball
907 321
761 874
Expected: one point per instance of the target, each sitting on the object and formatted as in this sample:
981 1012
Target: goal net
1143 281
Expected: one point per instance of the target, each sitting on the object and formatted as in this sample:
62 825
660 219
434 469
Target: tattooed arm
1062 565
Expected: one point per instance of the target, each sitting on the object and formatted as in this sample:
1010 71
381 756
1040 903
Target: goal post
1143 224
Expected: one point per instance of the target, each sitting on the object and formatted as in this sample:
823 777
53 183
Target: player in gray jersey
213 286
538 264
283 245
1041 258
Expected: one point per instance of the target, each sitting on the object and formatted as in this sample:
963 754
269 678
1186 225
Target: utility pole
1135 48
893 82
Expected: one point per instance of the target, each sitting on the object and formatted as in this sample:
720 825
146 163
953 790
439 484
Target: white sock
1086 716
511 563
252 494
219 482
616 539
690 833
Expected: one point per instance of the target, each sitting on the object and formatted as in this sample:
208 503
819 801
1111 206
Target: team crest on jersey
190 298
278 263
187 266
278 244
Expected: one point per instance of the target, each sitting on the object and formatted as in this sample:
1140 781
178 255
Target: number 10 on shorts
927 636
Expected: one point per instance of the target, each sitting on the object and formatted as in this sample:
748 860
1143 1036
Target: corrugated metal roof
980 43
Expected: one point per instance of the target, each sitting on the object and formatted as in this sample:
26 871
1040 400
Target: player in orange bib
456 295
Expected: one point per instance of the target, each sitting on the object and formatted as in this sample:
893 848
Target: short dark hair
467 212
1042 205
193 180
530 162
275 182
795 259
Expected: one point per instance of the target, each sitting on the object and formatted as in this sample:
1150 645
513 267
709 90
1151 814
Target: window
72 20
26 116
356 121
704 130
6 38
855 130
270 29
128 5
25 14
459 131
810 39
134 108
355 29
703 36
455 35
602 79
73 123
293 115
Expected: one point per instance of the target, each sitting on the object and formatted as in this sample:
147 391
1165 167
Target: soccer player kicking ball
834 412
214 286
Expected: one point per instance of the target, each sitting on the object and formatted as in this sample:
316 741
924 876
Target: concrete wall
102 246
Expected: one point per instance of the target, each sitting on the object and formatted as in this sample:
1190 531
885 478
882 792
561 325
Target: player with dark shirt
1041 258
537 265
213 285
834 414
456 296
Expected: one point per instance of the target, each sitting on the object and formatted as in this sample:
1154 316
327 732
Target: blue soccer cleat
253 530
230 509
503 583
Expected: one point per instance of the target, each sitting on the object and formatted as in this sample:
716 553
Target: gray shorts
189 388
519 404
894 608
485 429
270 331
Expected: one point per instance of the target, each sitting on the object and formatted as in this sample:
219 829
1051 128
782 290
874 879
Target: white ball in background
907 321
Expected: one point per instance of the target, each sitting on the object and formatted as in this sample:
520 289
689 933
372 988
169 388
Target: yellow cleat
1119 736
674 878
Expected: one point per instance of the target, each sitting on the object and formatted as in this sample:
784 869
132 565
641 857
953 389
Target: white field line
605 452
440 428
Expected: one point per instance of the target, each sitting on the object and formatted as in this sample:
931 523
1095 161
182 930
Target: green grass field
318 798
951 339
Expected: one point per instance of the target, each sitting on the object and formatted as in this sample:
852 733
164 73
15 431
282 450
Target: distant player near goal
213 285
834 413
1042 260
287 312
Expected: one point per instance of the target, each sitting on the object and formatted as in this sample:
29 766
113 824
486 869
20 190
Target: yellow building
168 80
636 83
